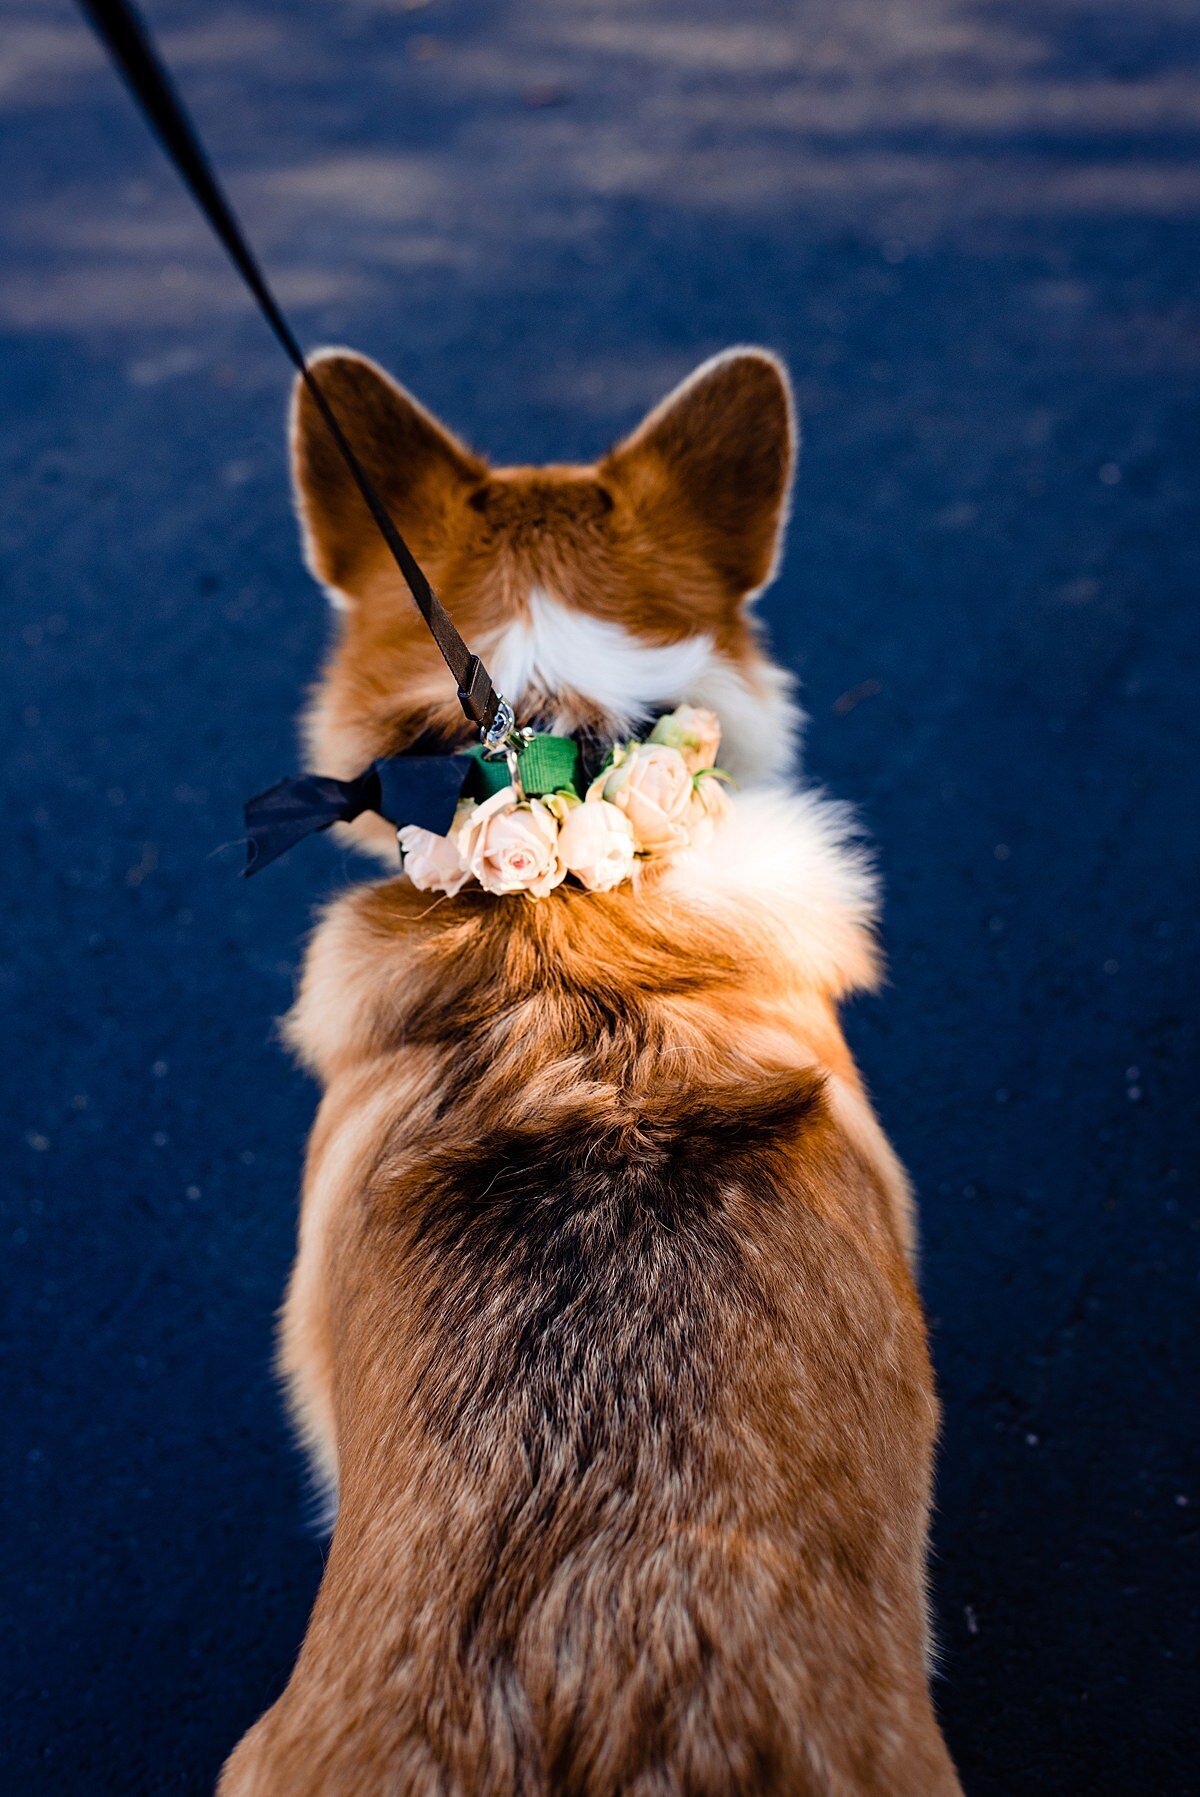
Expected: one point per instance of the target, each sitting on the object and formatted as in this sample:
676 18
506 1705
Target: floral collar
649 798
523 820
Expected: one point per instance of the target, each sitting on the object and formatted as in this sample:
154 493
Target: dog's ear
712 465
419 469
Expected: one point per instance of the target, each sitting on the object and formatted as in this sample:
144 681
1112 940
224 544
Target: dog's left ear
712 464
419 469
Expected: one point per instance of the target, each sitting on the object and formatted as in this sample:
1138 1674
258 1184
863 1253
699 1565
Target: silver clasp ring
502 737
502 726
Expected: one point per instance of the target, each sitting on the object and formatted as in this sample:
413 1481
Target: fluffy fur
556 649
602 1325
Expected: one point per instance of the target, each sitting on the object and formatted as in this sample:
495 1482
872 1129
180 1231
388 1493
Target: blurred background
972 229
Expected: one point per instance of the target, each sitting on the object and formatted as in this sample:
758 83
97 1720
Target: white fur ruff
556 649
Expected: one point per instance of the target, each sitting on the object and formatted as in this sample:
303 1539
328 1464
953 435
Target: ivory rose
695 732
596 845
710 806
512 847
433 863
652 786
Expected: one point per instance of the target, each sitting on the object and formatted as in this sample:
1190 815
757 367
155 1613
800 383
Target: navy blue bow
404 789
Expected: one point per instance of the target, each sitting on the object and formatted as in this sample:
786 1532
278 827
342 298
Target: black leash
131 48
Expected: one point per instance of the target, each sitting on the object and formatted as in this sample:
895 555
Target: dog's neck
573 669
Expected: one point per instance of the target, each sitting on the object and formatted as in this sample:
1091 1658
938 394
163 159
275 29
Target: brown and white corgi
602 1331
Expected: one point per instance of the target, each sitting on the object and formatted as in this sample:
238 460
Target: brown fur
602 1317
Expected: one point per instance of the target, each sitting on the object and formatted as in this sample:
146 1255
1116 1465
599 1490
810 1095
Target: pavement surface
972 229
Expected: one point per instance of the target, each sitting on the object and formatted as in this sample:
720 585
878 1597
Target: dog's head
595 595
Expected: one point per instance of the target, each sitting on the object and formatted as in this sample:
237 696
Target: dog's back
603 1326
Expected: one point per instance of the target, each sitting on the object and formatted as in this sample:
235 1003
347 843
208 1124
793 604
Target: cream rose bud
512 847
433 863
653 787
710 806
596 845
695 732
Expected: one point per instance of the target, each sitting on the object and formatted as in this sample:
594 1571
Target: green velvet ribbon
547 764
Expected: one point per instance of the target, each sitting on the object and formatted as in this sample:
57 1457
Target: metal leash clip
504 738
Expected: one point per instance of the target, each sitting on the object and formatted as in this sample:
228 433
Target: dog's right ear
712 464
420 471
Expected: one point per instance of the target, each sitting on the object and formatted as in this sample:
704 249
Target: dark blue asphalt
973 231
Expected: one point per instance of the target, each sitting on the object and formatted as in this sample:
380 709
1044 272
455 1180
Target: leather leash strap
133 51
